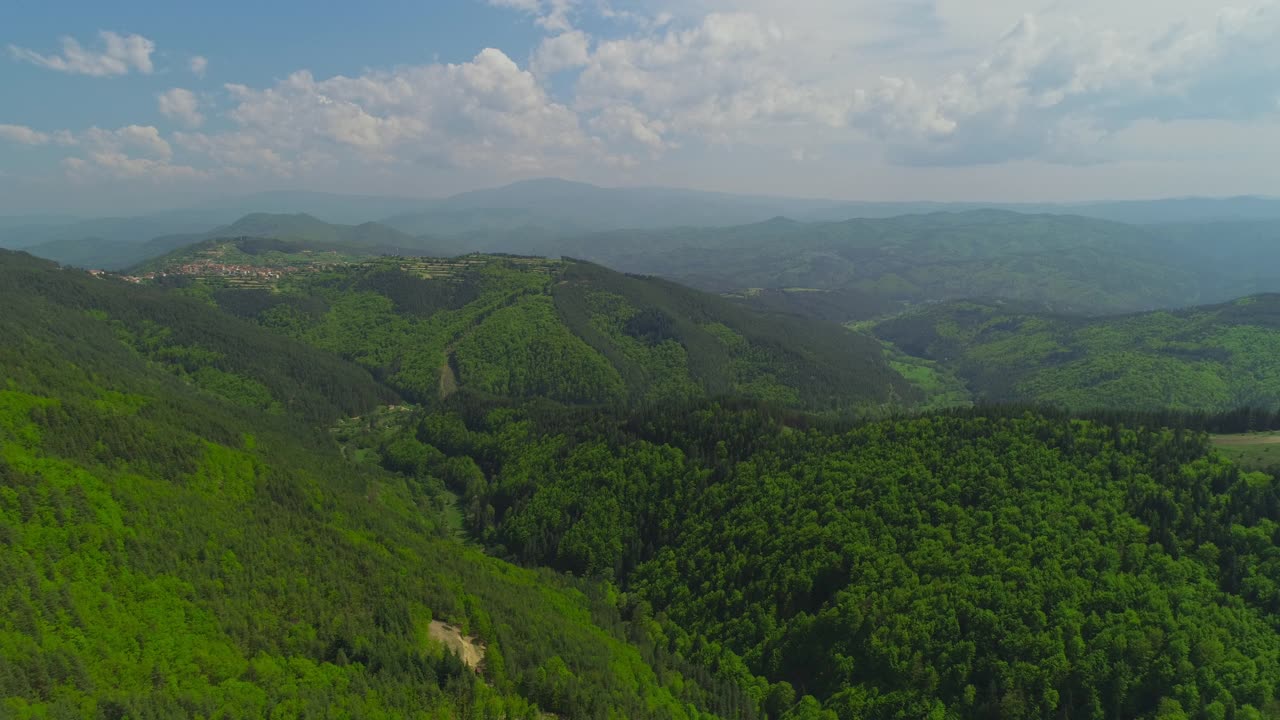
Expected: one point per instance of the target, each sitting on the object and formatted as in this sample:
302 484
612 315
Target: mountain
1212 358
1068 263
565 330
120 230
343 209
181 539
561 202
306 228
1138 212
557 208
1232 258
626 207
490 229
35 221
106 254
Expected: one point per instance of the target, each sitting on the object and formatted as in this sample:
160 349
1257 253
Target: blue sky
854 99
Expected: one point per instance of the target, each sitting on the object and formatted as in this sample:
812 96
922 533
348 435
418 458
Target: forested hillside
1206 358
565 330
975 565
177 540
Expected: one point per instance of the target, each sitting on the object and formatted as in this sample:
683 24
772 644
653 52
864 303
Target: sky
155 103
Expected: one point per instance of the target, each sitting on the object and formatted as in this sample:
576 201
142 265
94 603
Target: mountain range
538 216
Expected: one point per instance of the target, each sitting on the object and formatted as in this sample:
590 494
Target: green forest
1214 357
512 487
981 563
567 331
175 547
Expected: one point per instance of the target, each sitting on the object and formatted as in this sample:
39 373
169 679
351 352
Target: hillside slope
1212 357
565 330
173 545
960 566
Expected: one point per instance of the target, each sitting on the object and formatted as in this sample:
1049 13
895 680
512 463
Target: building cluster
208 268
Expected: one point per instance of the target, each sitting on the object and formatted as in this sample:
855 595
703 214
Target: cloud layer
484 113
904 87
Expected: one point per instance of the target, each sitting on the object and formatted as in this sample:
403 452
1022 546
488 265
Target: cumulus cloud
198 65
142 138
132 152
713 80
181 105
23 135
1049 88
485 113
563 52
125 167
626 124
1053 93
118 55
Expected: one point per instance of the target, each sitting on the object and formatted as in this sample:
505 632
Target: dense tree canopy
1215 357
962 565
172 549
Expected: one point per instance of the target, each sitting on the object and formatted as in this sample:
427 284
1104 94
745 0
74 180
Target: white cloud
198 65
623 123
132 152
181 105
550 15
119 55
125 167
1050 88
487 113
142 138
716 80
563 52
1053 92
23 135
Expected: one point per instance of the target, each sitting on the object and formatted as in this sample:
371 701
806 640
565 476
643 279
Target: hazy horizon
144 206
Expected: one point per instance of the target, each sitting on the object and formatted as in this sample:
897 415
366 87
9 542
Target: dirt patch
468 648
1246 439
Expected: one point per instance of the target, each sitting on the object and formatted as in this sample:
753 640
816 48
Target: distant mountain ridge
1137 212
1071 263
766 249
370 237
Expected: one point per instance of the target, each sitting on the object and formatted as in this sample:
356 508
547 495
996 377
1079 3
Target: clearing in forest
1252 451
466 647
